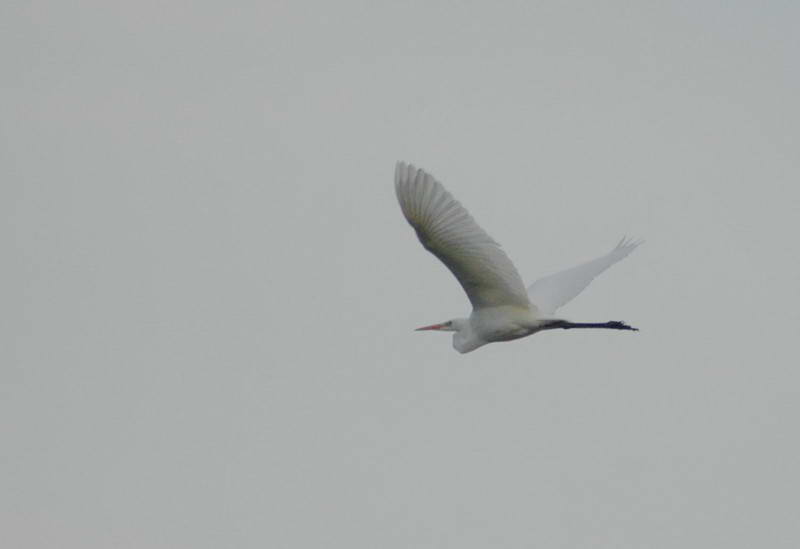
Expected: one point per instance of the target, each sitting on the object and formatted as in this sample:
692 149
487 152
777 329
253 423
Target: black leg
610 325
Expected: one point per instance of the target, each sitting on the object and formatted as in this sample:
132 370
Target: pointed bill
432 327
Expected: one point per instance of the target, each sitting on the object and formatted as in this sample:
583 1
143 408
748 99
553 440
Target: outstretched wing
447 230
552 292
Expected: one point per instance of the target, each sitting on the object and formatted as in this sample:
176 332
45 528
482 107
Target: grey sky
209 291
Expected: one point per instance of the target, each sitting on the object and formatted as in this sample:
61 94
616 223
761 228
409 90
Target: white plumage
550 293
502 308
447 230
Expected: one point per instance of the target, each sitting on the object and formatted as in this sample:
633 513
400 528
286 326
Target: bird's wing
552 292
450 233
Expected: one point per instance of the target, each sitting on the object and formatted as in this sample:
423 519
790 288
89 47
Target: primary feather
449 232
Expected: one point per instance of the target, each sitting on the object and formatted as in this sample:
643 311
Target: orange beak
431 327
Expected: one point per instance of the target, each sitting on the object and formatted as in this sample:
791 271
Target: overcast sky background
209 290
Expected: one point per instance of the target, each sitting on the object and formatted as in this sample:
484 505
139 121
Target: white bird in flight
502 309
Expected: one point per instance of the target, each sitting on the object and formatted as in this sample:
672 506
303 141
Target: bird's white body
491 324
502 308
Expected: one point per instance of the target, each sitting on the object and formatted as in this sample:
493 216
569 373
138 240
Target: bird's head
464 340
450 326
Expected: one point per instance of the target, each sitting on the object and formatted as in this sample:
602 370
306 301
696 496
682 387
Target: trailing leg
610 325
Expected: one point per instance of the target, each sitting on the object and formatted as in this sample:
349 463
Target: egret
502 308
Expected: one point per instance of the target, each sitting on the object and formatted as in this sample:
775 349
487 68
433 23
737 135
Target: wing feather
552 292
449 232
